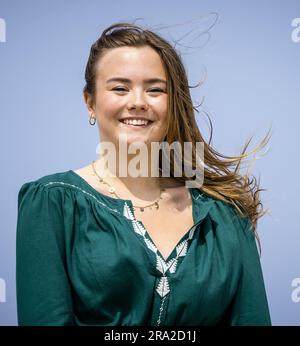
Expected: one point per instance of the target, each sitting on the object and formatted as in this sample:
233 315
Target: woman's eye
151 90
119 89
156 90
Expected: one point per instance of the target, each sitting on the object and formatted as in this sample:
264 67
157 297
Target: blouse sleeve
43 288
250 305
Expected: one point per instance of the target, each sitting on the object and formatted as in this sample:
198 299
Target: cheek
161 108
109 107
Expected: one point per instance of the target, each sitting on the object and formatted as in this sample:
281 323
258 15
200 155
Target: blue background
252 82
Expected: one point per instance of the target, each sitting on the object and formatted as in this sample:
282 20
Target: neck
145 188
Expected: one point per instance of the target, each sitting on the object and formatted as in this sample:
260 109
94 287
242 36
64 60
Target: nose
137 102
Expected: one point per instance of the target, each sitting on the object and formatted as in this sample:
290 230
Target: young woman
100 249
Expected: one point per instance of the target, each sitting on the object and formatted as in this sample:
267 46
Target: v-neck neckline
120 203
183 238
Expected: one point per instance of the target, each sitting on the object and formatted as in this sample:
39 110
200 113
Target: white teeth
135 122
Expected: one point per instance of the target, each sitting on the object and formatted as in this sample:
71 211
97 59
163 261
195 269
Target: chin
138 141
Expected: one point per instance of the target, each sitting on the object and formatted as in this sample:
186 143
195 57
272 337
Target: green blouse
83 259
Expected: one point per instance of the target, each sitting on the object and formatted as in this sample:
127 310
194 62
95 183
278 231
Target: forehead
131 62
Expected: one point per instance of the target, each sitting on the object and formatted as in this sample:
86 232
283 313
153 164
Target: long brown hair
222 178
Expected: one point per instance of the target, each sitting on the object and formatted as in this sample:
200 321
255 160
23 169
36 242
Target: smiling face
128 86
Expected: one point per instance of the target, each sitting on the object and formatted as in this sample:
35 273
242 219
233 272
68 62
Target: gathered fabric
83 259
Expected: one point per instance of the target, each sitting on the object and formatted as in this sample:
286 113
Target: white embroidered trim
161 264
163 287
87 193
161 310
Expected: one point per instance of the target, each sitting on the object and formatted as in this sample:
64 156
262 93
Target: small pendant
141 209
111 189
157 206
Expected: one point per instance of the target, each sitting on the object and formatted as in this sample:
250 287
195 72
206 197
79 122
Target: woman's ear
89 101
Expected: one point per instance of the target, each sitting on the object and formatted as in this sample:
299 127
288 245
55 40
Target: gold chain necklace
112 190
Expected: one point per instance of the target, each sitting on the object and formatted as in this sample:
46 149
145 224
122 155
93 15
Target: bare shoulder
86 173
82 171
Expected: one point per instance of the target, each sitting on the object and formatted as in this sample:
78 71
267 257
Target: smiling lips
136 122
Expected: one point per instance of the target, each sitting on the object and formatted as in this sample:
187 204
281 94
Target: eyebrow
126 80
